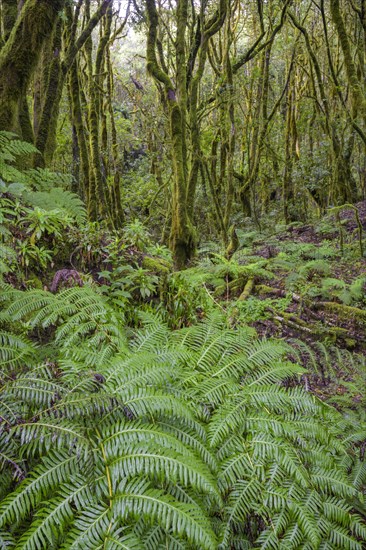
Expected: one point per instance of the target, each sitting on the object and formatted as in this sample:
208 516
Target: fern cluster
195 438
35 207
15 155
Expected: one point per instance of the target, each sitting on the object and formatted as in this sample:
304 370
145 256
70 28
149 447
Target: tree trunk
19 56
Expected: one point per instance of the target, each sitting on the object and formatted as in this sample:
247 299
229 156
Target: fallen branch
298 324
347 312
247 290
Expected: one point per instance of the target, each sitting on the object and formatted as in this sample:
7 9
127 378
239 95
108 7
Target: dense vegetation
182 275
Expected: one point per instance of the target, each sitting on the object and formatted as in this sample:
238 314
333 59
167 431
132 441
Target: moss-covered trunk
357 90
58 71
9 16
80 132
182 241
19 56
46 132
179 97
116 200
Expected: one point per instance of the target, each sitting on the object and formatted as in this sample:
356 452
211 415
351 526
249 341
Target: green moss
19 56
9 16
233 243
346 312
156 265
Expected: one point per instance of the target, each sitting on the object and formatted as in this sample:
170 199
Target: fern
43 179
64 201
10 150
15 350
192 438
315 267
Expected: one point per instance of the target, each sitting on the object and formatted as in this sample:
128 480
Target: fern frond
131 433
52 472
7 542
91 529
140 460
119 541
59 511
53 433
44 179
66 202
154 334
15 350
189 521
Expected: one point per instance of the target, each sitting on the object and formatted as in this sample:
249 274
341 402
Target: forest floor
318 317
305 284
326 289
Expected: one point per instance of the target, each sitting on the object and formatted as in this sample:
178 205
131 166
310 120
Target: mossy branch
152 63
75 47
247 290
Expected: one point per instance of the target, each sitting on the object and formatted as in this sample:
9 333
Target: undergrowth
219 407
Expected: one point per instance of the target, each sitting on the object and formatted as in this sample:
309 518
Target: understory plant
195 438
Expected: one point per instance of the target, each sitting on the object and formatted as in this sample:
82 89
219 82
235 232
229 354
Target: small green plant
254 309
33 256
136 234
42 223
161 251
144 282
182 302
114 251
126 280
90 242
335 288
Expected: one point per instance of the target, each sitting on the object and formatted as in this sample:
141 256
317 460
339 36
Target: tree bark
19 56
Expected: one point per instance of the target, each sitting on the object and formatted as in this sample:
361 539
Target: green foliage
40 222
253 309
194 438
33 224
335 288
32 255
314 267
203 436
136 234
184 298
14 157
11 149
66 204
126 280
45 180
7 259
231 269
